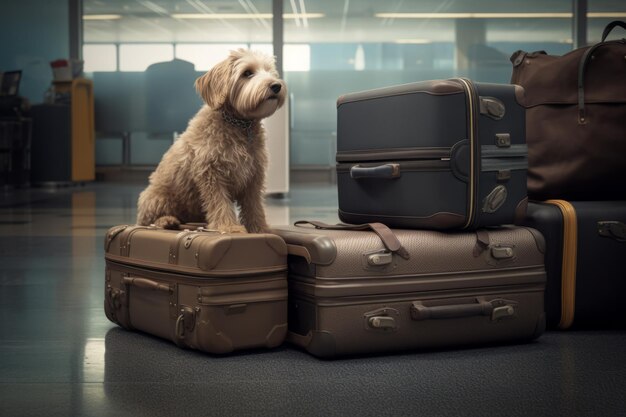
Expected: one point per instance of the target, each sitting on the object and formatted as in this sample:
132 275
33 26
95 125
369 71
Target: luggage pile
440 246
443 162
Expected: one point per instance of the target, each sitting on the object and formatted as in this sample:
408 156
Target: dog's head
245 83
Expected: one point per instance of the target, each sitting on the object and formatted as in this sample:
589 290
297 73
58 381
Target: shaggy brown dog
221 157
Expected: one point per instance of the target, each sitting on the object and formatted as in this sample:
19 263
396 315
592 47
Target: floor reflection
60 356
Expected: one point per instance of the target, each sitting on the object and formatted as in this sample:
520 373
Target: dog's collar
240 123
232 120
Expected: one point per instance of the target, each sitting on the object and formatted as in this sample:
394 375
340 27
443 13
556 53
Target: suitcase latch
502 309
380 258
185 322
114 298
492 107
503 140
502 252
381 320
495 199
501 312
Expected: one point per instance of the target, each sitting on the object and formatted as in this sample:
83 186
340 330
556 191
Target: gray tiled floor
59 356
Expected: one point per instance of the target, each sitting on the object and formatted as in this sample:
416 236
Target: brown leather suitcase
201 289
354 292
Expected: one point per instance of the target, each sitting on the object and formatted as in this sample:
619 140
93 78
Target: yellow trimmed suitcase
585 248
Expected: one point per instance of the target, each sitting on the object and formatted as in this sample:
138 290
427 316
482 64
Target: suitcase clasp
185 322
501 312
381 320
502 309
495 199
492 107
502 252
380 258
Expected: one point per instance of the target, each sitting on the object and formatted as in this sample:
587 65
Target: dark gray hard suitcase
446 154
201 289
585 251
353 292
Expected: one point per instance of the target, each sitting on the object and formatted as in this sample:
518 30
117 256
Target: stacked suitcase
444 164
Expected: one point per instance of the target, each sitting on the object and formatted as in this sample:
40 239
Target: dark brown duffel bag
575 120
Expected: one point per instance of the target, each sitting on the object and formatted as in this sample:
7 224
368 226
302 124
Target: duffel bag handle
582 67
386 235
612 26
386 171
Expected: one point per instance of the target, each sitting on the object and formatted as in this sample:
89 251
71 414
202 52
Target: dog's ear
213 86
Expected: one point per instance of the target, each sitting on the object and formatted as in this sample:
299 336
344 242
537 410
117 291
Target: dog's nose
275 88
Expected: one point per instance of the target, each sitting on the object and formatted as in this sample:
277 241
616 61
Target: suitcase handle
387 171
497 309
612 229
147 284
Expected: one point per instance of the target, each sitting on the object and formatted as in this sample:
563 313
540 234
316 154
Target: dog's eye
247 74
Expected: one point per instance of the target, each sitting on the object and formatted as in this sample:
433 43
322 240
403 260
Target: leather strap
582 67
482 242
386 235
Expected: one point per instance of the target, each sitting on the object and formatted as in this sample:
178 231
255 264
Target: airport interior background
60 356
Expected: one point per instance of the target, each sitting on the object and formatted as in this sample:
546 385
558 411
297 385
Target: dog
220 159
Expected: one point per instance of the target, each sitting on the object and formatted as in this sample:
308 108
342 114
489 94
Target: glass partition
330 48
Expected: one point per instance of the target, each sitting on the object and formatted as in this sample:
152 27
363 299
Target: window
100 57
330 47
138 57
205 56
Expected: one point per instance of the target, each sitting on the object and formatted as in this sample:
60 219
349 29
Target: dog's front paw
167 222
234 229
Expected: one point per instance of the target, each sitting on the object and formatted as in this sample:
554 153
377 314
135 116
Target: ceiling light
472 15
564 15
235 16
101 16
413 41
606 14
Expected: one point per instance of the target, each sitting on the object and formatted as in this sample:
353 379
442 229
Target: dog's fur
220 158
